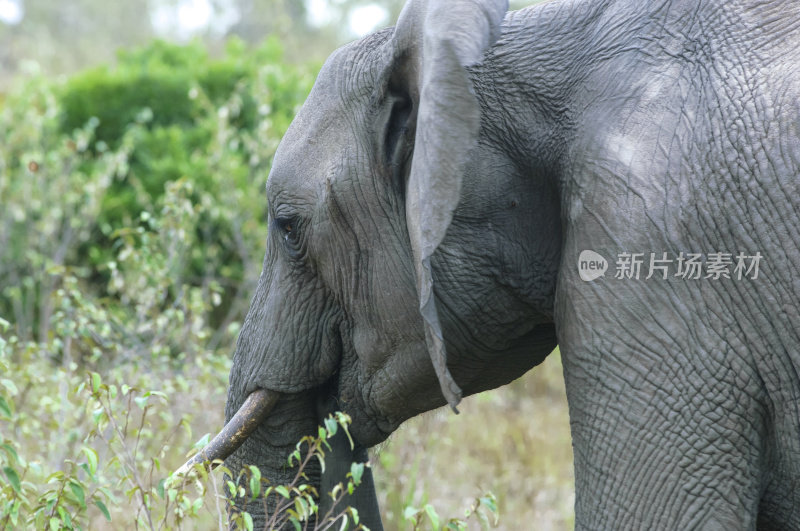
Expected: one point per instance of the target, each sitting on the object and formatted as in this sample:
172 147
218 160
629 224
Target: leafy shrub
167 79
75 444
96 155
127 257
95 415
103 453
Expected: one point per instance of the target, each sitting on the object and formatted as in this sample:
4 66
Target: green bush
131 235
96 414
167 79
96 154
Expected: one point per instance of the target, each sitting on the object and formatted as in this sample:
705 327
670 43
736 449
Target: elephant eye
288 231
285 225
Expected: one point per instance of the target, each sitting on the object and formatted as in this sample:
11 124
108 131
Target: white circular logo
591 265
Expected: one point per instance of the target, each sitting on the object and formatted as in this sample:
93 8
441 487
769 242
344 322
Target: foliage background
132 222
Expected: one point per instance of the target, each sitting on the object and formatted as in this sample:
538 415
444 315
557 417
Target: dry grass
512 441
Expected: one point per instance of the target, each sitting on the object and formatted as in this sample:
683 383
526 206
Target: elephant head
431 201
391 281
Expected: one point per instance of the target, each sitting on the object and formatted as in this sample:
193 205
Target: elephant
463 192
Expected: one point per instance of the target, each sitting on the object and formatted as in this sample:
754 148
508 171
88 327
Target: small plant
114 474
297 502
481 509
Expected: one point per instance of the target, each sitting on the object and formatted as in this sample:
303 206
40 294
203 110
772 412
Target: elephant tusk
254 409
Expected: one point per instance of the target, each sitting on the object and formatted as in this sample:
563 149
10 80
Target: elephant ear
435 41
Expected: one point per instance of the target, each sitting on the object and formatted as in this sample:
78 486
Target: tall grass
513 442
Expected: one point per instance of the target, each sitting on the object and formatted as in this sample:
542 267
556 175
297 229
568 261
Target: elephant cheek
290 341
403 386
370 349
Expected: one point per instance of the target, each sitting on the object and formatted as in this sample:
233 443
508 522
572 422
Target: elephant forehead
345 84
353 69
302 177
320 143
317 148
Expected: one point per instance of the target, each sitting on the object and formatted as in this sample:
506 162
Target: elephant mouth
252 412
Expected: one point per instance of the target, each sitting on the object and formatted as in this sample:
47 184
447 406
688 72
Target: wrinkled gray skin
610 125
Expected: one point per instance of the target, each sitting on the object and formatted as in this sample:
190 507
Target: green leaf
13 478
65 518
255 481
248 521
431 512
91 459
410 512
103 509
10 385
4 408
55 524
11 452
283 491
301 506
490 502
296 524
294 457
344 420
55 477
77 490
96 382
356 471
332 426
13 515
